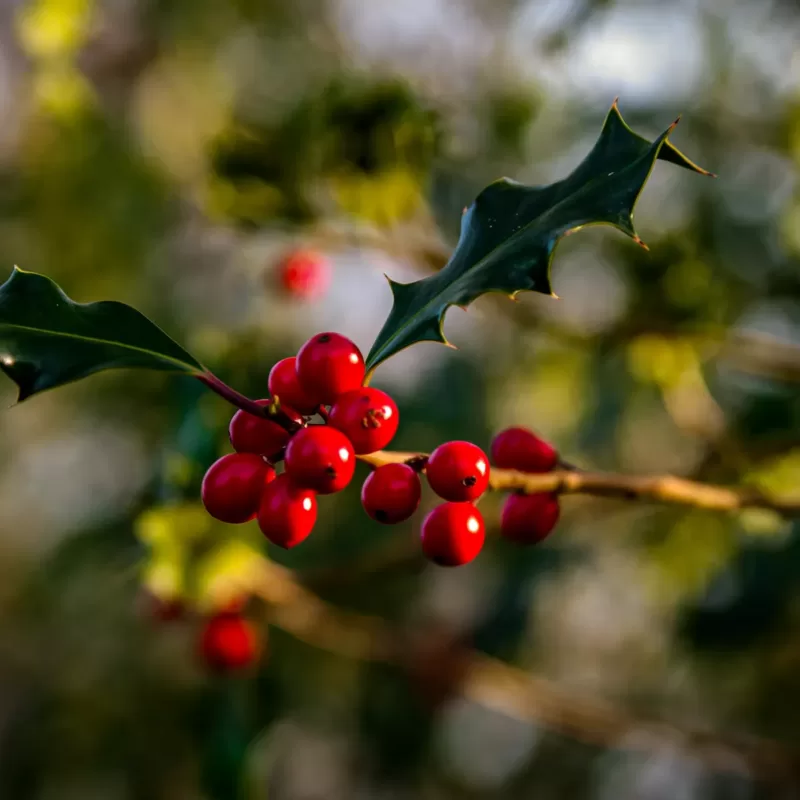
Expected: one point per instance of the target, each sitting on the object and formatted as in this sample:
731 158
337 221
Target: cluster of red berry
325 380
453 533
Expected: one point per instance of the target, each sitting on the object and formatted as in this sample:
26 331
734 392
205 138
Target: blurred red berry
329 365
368 417
529 518
232 486
251 434
453 534
521 449
391 493
458 471
320 458
283 382
287 513
305 274
229 642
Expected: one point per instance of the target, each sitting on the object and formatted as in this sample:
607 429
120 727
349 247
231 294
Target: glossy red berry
529 518
287 513
329 365
284 383
453 534
367 417
305 274
458 471
391 493
251 434
320 458
229 642
521 449
232 487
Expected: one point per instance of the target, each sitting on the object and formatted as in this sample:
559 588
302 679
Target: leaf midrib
651 152
502 244
95 340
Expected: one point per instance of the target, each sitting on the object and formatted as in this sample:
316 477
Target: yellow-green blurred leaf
696 549
225 572
53 28
165 527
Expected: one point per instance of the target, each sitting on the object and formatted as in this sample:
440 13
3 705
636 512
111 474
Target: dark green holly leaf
47 340
509 233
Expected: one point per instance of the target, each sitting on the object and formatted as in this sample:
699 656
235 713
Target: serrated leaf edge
655 148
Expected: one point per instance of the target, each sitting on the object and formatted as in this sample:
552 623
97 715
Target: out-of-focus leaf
164 574
225 573
164 527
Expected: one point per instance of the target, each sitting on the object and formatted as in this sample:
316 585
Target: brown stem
508 689
237 399
417 463
657 488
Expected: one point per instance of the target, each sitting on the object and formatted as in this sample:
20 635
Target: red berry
329 365
320 458
251 434
453 534
523 450
229 642
287 513
368 417
458 471
529 518
233 485
391 493
284 383
305 274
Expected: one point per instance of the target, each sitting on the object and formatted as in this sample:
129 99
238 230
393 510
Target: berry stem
246 404
368 377
417 463
323 412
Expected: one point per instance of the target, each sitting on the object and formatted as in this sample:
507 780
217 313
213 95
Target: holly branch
668 489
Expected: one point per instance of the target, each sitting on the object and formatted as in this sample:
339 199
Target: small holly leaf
47 340
509 233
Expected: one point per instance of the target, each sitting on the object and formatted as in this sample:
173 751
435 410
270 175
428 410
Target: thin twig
291 423
764 355
500 686
658 489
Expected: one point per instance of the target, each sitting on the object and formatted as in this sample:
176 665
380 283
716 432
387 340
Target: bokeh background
168 153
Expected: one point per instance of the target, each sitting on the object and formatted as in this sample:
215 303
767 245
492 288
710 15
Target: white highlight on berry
344 454
482 466
473 525
306 504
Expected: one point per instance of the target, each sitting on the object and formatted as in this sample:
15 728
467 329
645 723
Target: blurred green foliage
164 154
